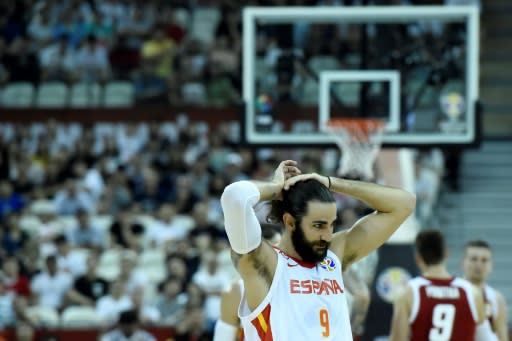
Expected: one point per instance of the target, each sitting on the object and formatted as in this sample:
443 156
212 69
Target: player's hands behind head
324 180
285 171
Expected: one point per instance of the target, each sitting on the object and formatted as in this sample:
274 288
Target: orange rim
364 124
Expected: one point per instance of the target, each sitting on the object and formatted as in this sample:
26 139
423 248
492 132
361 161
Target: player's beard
305 248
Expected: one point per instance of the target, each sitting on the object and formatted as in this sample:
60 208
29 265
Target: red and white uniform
484 331
306 301
442 310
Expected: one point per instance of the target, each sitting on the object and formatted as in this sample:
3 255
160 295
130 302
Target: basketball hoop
359 141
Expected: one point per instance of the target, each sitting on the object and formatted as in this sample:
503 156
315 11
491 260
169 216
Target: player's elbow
230 197
411 202
238 194
407 203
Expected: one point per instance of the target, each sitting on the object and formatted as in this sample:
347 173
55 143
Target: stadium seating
119 94
52 95
85 95
43 315
80 316
18 95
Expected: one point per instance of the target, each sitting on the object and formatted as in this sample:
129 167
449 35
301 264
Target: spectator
193 326
14 238
10 201
12 280
114 11
73 198
49 226
171 301
110 306
126 233
128 329
133 279
185 199
159 52
57 61
135 27
177 267
149 87
219 86
21 62
173 29
117 194
212 281
148 313
7 308
101 28
69 260
41 27
88 288
166 228
90 178
50 287
91 61
85 234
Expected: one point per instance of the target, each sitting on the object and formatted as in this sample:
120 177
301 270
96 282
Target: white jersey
484 331
306 301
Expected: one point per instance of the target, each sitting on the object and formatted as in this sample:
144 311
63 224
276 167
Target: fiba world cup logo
264 104
391 282
453 105
328 264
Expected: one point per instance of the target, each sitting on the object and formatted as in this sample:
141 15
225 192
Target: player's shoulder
418 281
462 282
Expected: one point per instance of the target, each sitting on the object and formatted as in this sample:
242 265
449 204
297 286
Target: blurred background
120 126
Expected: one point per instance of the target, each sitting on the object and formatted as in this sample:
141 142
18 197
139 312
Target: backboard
414 66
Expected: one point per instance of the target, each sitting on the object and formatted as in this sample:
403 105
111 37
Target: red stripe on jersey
262 325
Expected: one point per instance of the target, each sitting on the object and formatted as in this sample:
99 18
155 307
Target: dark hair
128 317
295 200
477 243
430 246
270 230
60 240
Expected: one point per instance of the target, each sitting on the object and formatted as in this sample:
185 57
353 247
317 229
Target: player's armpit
400 328
500 323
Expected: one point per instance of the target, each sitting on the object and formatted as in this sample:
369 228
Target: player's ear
418 259
289 221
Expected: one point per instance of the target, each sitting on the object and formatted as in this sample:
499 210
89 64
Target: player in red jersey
436 306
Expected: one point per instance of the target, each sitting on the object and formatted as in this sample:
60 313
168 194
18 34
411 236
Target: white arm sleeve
240 221
224 331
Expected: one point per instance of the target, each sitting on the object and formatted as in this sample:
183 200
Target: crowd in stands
177 52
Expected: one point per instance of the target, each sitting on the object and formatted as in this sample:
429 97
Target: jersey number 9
443 317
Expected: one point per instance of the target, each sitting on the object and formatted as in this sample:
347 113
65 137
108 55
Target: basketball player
477 265
296 291
436 306
227 327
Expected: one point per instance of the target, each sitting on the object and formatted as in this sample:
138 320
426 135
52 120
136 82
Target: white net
359 141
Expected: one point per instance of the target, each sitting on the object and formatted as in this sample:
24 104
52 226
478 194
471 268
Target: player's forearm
381 198
268 190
